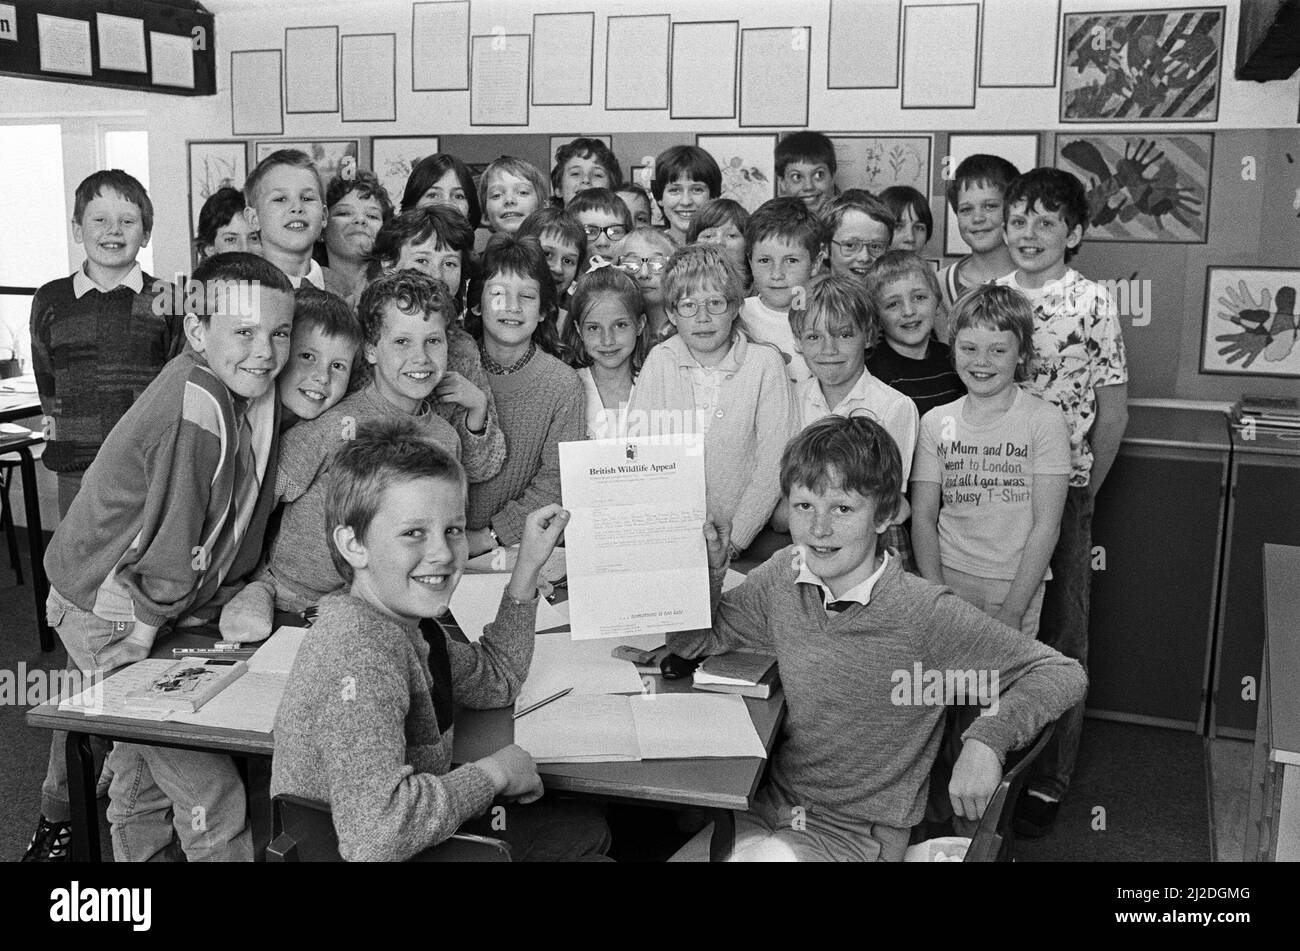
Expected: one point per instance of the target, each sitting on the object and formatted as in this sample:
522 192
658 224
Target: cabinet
1264 508
1273 823
1157 536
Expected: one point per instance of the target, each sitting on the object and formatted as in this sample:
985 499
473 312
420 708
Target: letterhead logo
630 451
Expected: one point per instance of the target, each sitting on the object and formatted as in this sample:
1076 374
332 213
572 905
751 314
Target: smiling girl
358 208
539 400
608 340
510 190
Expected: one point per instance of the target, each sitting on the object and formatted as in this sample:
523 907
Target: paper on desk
691 726
580 729
586 666
250 703
107 697
732 579
277 654
503 559
475 601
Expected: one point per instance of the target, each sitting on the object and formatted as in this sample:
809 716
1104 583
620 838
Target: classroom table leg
259 803
36 545
724 835
81 798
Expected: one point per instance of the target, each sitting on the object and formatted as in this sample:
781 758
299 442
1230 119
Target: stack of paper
559 662
610 728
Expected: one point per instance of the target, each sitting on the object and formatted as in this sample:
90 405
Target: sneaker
50 843
1035 816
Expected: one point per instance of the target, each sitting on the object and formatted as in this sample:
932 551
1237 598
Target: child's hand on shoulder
454 388
975 778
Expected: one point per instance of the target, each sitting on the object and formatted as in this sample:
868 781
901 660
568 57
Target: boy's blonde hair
650 236
998 307
834 300
700 265
519 169
896 265
294 158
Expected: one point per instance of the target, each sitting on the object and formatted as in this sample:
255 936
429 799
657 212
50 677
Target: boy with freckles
286 203
169 522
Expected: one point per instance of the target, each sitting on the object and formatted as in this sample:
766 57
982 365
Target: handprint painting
1140 66
1251 325
1142 187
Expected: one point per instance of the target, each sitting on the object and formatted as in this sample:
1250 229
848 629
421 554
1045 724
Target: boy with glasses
644 254
604 218
711 381
860 226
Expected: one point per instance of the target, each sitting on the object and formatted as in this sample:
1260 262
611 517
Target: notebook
745 673
186 685
560 662
605 728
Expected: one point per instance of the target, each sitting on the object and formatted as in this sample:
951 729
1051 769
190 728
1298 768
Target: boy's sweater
93 356
356 728
156 529
539 407
749 427
928 382
300 554
849 749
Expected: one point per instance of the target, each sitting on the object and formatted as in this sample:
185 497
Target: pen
541 703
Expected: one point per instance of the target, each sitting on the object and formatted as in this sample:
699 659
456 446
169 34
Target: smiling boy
805 169
1079 365
286 203
843 619
98 338
169 522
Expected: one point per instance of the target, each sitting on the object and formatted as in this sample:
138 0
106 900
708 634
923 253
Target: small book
734 669
187 685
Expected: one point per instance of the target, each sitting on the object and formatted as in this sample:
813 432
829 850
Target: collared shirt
315 276
878 401
83 282
860 593
706 382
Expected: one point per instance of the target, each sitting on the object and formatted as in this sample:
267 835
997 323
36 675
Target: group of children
343 438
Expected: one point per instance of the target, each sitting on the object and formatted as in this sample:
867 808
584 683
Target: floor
1229 764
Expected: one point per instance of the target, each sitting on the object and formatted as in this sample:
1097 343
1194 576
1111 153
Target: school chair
994 840
304 832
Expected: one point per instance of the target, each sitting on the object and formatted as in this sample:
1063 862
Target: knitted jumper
859 740
356 728
93 356
539 407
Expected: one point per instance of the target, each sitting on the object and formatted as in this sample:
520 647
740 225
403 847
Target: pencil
541 703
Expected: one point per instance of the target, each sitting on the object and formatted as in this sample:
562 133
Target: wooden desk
14 407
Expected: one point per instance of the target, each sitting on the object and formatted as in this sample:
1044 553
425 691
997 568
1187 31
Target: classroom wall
1251 221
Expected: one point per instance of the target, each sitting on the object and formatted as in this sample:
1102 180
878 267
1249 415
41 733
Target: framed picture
875 162
1140 66
1020 149
328 154
393 157
1148 187
748 164
212 166
1250 325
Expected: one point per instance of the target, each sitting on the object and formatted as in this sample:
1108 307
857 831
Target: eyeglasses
613 232
854 245
690 307
634 262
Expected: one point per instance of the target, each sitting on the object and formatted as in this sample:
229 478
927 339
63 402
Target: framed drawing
1250 324
393 156
875 162
1142 66
1149 187
212 166
328 154
748 164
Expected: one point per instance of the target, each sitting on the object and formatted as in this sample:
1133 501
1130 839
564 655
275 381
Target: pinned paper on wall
704 70
636 62
440 46
256 100
121 43
1018 44
562 58
774 76
851 23
499 79
939 51
368 63
65 44
173 59
311 69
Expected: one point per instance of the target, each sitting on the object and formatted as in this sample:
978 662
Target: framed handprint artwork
1251 326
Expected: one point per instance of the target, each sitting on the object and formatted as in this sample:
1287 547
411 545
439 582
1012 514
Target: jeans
1064 626
988 594
553 830
84 636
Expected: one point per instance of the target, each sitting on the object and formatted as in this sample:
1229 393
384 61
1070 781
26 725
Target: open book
602 728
